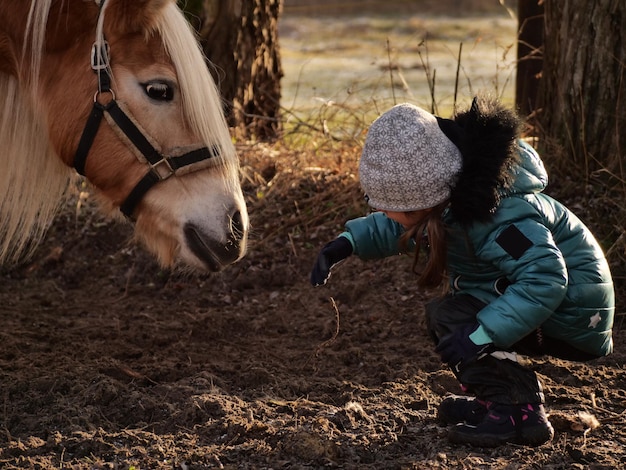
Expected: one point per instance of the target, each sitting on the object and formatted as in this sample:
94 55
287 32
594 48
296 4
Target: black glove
458 350
332 253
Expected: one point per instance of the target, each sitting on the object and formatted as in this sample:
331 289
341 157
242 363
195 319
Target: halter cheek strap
161 167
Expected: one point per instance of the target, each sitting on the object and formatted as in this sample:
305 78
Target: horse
120 92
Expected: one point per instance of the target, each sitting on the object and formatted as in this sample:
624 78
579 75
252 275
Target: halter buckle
100 62
162 169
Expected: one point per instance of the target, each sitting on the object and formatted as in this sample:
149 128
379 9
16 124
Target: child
525 275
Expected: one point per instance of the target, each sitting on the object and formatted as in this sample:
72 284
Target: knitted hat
408 163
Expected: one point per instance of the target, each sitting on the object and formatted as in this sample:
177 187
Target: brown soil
109 362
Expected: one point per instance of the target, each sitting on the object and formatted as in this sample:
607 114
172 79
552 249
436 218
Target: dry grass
299 193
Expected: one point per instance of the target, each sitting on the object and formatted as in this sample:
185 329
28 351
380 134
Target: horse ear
131 16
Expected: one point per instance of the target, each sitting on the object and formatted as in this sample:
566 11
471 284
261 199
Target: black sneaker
517 424
462 409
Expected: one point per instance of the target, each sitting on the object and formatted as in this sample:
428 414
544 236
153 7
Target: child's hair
429 235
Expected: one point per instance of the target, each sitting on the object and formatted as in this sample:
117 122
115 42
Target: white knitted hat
408 163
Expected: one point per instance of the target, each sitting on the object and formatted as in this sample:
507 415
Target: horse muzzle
217 254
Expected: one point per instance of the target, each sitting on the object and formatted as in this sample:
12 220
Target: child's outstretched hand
332 254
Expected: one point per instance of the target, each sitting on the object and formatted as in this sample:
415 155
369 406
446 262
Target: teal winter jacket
532 261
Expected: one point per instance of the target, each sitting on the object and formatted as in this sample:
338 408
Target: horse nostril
237 227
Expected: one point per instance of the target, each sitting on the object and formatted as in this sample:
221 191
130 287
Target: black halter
160 166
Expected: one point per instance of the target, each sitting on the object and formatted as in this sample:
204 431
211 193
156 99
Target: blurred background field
365 57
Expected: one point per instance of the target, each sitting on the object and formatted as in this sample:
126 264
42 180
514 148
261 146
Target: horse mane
34 179
202 103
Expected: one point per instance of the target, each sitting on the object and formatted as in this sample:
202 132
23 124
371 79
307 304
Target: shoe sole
533 437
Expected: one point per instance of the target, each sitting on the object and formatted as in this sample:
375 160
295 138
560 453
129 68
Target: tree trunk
219 33
241 39
529 56
583 97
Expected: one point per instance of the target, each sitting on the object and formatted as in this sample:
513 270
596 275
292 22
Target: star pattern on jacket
594 320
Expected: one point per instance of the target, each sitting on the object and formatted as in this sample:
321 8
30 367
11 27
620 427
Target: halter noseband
161 167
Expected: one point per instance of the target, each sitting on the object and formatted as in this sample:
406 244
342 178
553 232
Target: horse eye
159 91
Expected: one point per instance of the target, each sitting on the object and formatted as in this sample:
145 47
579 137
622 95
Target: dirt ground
109 362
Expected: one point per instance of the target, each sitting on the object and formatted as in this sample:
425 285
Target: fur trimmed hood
487 135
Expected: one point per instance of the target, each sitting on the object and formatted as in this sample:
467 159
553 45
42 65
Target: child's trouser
497 377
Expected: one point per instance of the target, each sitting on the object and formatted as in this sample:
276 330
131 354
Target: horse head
122 92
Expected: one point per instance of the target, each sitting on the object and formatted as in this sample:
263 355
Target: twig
429 80
456 77
393 91
336 332
292 244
